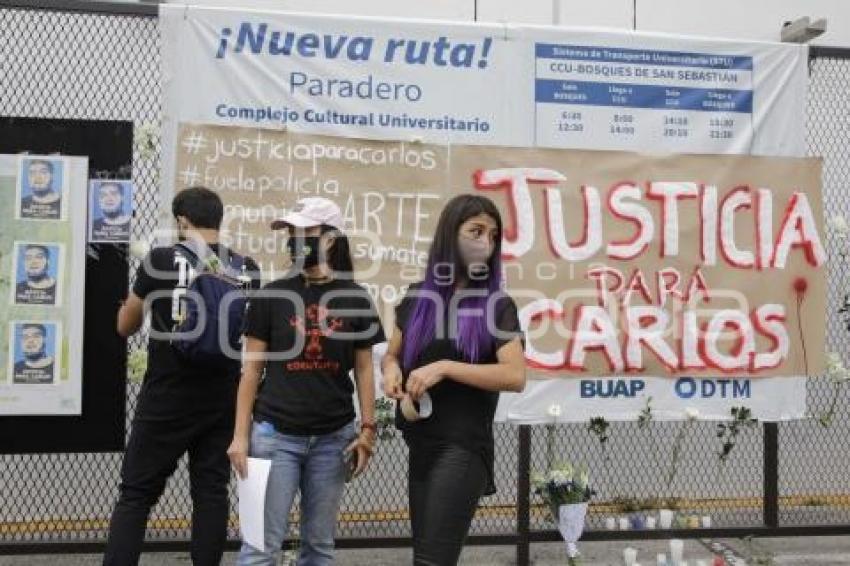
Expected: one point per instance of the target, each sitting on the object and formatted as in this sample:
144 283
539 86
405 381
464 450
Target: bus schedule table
630 99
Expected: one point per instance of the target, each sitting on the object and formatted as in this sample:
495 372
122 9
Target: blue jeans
316 466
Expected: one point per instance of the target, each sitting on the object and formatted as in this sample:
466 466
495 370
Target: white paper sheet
252 502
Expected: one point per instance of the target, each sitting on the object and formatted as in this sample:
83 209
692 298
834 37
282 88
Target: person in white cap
307 331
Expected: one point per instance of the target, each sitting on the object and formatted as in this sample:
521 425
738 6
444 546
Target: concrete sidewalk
811 551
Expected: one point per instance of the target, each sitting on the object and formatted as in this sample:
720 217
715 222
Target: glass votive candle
665 518
637 522
693 522
677 547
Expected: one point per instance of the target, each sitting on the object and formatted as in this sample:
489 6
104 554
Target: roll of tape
415 411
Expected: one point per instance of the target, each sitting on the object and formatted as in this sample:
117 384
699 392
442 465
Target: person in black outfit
181 408
305 333
461 356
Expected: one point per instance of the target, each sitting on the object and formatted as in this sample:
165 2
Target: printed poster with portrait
110 210
42 189
38 266
34 356
43 225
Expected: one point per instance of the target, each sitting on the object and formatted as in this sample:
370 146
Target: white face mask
475 254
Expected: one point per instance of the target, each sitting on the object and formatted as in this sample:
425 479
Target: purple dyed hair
472 338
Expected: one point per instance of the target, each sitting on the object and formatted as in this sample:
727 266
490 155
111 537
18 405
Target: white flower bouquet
566 491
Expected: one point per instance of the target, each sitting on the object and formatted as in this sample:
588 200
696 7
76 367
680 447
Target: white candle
650 522
706 522
629 556
610 523
661 560
665 518
676 548
624 523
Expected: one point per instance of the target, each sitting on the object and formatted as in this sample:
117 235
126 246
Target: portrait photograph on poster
110 210
42 189
60 297
34 352
38 273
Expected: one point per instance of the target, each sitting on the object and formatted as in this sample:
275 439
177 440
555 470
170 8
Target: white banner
477 84
480 83
572 400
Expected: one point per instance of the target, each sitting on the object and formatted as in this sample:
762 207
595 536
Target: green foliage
838 375
385 418
137 365
727 432
598 426
645 417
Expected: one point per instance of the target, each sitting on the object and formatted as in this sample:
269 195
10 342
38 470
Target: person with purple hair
457 343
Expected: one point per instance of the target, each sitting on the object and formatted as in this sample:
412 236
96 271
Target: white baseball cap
309 212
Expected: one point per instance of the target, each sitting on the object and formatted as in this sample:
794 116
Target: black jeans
152 454
445 483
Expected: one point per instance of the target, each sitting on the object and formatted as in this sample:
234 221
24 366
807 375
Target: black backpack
201 329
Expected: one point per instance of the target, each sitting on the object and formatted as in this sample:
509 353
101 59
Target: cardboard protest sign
620 263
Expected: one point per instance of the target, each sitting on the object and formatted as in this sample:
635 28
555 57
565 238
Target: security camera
802 30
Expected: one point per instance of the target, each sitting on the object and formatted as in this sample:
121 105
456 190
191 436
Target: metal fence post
523 490
771 475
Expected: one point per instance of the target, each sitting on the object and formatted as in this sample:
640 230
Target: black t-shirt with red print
311 332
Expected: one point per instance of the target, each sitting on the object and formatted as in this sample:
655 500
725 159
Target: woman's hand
424 378
238 454
391 381
364 445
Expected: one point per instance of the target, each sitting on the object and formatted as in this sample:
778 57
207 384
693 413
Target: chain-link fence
813 484
106 66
